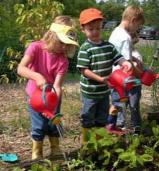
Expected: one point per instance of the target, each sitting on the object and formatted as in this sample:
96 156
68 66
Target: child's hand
127 66
137 61
104 80
40 81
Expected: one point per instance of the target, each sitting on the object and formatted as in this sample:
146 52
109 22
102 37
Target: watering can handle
44 92
132 80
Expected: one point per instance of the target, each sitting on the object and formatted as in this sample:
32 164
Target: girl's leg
54 136
39 127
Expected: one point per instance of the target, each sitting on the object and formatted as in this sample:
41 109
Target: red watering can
45 101
148 77
122 82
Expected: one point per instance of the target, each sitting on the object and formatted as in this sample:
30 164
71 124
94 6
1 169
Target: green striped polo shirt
99 58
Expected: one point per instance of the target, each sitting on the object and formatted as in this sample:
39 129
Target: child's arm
88 73
126 64
24 71
58 84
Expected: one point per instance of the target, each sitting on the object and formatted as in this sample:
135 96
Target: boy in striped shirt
95 60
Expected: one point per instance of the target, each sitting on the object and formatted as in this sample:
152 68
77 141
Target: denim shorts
40 125
94 112
134 105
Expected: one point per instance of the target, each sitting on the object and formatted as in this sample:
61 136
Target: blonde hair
64 19
50 38
133 12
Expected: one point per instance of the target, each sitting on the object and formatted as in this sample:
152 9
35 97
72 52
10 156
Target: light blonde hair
133 12
50 38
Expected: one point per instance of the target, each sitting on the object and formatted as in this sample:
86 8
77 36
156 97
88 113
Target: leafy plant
46 166
111 152
32 18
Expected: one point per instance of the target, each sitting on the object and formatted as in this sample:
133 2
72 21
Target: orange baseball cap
89 15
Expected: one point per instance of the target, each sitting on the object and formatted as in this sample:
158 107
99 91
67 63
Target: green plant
106 34
105 151
79 163
31 19
46 166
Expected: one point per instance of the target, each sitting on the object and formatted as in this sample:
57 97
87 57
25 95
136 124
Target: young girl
46 61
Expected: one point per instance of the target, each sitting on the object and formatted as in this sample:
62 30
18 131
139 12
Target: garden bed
15 123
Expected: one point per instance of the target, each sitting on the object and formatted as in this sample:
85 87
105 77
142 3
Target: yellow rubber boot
37 150
85 135
54 146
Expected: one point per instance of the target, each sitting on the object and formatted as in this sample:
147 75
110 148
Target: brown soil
14 122
15 125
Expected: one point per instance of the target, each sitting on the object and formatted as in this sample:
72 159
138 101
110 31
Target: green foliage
35 18
79 163
8 63
112 10
134 2
45 166
151 9
106 35
109 152
9 36
32 18
147 50
9 30
74 7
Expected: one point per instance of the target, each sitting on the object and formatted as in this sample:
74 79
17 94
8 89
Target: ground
15 124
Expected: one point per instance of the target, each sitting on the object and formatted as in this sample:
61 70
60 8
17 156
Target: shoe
122 127
54 146
115 130
136 130
85 135
37 150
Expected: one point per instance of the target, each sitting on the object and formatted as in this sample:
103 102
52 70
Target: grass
73 77
147 50
20 122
